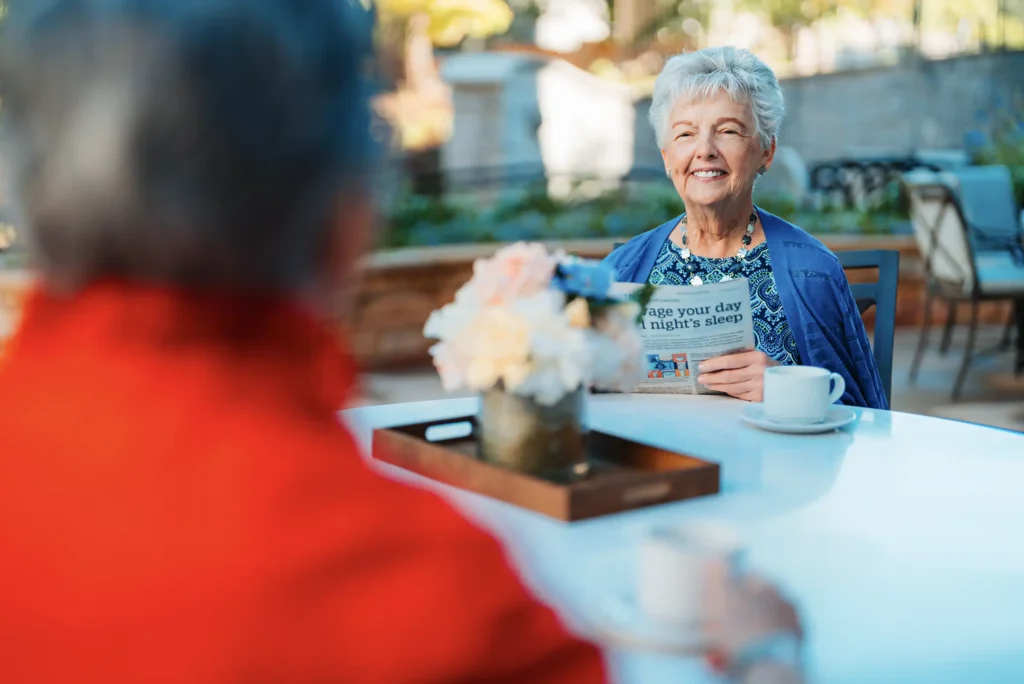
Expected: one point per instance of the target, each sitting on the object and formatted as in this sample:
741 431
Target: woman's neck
715 232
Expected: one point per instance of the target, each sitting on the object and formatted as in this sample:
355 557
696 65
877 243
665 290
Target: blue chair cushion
986 197
999 273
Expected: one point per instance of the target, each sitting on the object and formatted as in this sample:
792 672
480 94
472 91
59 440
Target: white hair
189 142
697 75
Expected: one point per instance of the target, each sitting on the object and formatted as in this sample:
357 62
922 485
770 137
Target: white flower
509 326
617 349
450 366
559 353
516 271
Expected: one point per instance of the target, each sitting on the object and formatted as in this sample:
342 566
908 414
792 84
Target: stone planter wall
401 288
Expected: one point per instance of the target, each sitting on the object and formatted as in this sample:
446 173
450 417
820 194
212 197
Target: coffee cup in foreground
800 394
672 565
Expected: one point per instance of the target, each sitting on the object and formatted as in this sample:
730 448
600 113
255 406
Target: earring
668 173
763 170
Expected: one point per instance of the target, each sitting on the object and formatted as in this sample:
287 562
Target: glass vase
518 433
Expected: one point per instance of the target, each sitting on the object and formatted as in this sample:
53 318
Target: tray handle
449 431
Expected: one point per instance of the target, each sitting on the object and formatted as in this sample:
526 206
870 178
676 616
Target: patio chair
882 295
966 226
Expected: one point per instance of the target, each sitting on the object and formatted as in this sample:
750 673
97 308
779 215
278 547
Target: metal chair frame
954 294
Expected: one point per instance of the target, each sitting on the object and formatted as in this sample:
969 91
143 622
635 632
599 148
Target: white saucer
838 416
616 618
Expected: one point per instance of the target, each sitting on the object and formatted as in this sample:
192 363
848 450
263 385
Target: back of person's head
195 143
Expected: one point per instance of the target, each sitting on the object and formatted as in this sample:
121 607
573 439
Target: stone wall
926 104
918 105
401 288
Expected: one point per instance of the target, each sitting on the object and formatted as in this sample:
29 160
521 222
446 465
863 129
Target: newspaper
684 325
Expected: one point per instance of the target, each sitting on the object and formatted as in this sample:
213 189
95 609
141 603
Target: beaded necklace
732 269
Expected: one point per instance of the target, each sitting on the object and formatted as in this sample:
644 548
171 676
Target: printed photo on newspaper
684 325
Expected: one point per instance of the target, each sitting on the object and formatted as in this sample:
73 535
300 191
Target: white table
901 538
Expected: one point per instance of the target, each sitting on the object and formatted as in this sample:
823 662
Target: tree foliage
451 21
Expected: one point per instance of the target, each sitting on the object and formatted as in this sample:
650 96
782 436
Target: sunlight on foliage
453 20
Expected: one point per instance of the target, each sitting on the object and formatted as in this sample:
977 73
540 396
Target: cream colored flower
516 374
517 271
508 326
496 344
578 313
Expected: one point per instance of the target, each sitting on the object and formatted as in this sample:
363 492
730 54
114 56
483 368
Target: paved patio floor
992 396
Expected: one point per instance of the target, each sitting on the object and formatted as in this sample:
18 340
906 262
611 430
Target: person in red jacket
178 500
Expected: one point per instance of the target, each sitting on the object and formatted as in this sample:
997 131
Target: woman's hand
741 612
739 375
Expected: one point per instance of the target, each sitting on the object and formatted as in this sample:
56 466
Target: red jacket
179 503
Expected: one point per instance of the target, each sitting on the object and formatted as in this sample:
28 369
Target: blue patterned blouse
772 333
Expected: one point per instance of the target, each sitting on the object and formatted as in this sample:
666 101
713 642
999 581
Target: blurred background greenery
626 42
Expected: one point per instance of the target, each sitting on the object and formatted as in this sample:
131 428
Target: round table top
898 537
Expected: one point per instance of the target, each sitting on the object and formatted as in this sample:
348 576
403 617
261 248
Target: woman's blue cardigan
815 294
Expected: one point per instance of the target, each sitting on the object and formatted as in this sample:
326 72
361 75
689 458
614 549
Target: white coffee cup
672 565
800 394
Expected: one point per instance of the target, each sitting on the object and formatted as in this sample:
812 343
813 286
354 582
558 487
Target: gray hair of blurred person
194 143
701 74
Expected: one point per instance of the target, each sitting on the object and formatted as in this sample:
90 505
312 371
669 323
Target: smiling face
713 151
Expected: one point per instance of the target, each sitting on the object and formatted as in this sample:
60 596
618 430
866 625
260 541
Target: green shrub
1006 148
533 214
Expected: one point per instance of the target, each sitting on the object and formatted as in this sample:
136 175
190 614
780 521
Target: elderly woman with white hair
716 114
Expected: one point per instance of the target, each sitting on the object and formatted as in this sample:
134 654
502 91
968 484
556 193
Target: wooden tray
624 474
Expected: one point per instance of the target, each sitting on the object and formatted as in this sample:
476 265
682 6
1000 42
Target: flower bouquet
532 331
